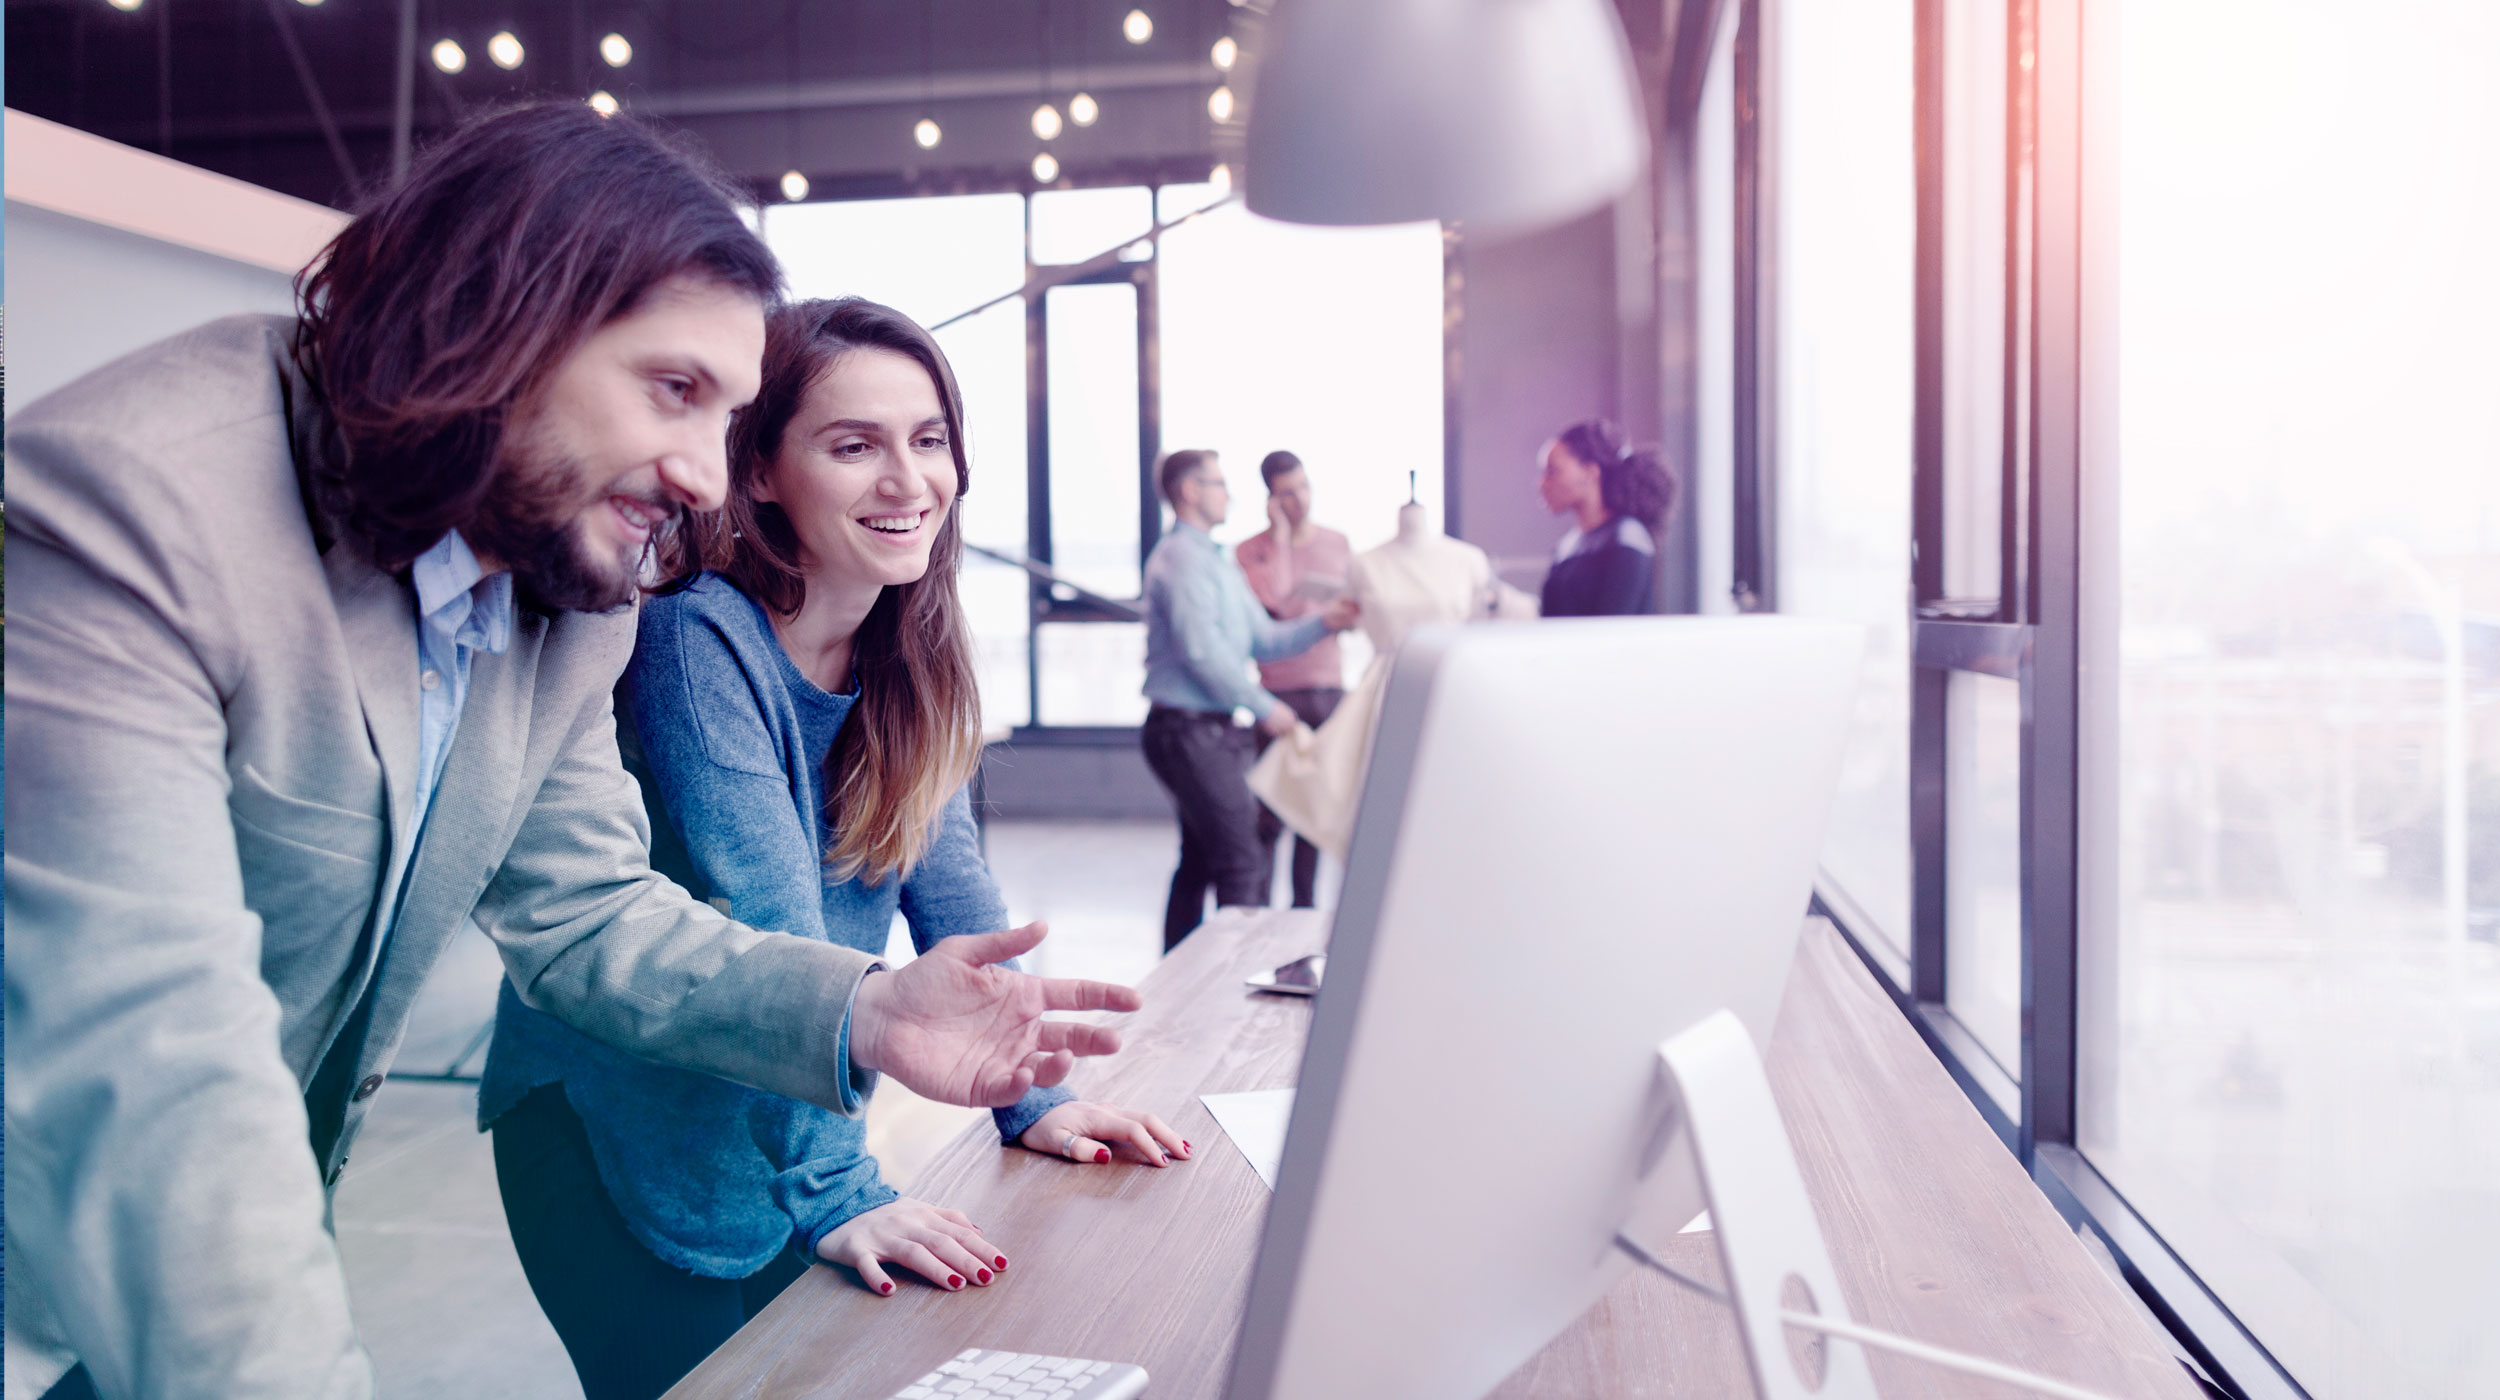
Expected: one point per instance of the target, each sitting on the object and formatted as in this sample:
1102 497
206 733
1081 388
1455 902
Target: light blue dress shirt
461 610
1204 627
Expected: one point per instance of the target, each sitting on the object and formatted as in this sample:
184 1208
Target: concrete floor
439 1293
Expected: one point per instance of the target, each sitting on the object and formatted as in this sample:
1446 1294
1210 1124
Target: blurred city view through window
2291 1043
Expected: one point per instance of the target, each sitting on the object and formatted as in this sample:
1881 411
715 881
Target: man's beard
531 520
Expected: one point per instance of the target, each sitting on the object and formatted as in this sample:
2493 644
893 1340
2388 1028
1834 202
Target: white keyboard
976 1374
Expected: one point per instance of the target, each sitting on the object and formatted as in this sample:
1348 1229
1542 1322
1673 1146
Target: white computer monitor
1577 839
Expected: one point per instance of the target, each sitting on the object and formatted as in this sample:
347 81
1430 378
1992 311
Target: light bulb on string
505 50
449 56
1220 104
1046 121
1226 53
615 51
1082 109
1138 27
793 186
125 6
1221 177
603 102
1045 167
927 135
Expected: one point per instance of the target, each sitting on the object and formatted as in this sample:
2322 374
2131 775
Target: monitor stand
1770 1248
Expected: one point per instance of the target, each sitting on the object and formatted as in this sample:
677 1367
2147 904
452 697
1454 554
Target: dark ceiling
831 88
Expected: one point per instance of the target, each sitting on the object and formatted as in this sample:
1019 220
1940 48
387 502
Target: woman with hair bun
1617 498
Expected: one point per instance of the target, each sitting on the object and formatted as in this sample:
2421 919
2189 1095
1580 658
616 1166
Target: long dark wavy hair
450 298
914 735
1633 482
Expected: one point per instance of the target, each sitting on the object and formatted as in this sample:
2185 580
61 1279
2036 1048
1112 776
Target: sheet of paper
1256 1123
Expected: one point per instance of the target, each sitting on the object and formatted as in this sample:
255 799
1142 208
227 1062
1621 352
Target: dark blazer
1607 572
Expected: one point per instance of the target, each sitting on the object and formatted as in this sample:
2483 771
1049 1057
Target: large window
2292 1030
1845 216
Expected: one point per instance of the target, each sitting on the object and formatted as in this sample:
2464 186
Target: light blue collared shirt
461 609
1204 627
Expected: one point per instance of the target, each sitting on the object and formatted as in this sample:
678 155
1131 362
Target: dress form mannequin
1312 779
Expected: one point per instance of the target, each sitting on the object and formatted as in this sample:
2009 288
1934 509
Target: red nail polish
985 1275
954 1280
1001 1261
1184 1144
885 1288
1102 1154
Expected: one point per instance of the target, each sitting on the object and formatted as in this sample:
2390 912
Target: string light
1220 104
1045 167
793 186
1138 27
1226 53
927 134
1082 109
1222 178
616 50
449 56
504 49
1046 121
125 6
603 102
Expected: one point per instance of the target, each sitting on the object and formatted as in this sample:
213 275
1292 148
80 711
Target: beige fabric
212 727
1313 778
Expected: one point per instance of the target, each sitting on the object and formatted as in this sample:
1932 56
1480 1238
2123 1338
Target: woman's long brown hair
914 734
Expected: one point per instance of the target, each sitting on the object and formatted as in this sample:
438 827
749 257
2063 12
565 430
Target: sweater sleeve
952 891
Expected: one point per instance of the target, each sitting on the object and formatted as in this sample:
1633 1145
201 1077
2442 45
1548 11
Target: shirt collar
457 596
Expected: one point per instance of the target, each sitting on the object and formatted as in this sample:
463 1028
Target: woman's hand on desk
1095 1132
938 1244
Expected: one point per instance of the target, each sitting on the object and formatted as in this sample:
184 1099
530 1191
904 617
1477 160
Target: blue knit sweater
729 740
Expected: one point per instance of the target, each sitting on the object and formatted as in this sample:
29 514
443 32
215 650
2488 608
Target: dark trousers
1314 705
1204 762
633 1323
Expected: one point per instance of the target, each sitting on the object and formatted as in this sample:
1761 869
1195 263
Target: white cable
1867 1336
1936 1356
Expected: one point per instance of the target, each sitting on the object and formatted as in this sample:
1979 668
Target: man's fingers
1005 1090
1078 1038
1076 994
1046 1068
1000 946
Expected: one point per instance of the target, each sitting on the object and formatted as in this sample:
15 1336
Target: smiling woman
802 716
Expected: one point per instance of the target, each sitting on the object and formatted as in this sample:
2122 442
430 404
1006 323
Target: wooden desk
1934 1229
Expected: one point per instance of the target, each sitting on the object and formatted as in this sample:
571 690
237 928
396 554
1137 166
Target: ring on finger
1067 1144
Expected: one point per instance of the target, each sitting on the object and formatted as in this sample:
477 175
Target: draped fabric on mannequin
1313 778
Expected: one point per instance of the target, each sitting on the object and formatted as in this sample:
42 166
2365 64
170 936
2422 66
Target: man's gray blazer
212 735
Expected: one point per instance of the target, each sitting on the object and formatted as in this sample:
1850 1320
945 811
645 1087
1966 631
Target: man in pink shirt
1295 566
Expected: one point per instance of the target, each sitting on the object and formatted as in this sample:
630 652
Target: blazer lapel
472 812
378 620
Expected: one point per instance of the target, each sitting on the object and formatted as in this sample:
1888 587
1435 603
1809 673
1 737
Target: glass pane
927 258
1974 297
1244 373
1846 338
2292 1053
1092 335
1070 226
1714 326
1984 861
1092 672
933 259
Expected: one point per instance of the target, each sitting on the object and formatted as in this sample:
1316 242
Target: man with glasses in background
1203 629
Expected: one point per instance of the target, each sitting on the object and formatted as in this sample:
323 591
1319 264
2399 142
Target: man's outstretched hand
954 1026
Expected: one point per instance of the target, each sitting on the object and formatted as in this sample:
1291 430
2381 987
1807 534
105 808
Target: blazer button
366 1090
